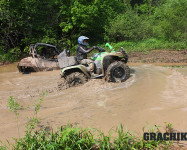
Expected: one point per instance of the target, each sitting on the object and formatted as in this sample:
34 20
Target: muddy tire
26 70
62 84
75 79
117 72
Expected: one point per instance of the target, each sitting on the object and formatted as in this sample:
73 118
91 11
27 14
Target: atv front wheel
117 72
62 84
75 79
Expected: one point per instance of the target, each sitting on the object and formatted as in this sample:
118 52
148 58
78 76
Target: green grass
147 45
69 137
144 45
150 44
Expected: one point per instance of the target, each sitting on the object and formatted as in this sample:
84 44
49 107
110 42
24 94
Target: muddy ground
153 95
159 56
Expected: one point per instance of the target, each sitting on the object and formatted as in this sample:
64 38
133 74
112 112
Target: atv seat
64 60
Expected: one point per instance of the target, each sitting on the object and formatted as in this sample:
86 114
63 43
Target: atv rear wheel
75 79
117 72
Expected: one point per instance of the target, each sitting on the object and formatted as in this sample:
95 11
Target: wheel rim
118 72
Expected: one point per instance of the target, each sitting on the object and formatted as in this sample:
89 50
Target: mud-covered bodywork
78 68
42 57
110 65
30 64
103 59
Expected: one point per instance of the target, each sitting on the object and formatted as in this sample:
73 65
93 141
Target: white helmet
81 39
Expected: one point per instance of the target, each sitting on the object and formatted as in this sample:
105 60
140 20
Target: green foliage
129 26
69 137
169 126
61 22
170 20
34 120
164 20
37 104
149 44
58 22
7 56
3 147
14 106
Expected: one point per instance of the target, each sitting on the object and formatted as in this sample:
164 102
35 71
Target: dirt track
152 94
159 56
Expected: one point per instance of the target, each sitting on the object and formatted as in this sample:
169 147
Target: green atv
111 65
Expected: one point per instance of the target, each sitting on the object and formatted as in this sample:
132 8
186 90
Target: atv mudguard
107 59
77 68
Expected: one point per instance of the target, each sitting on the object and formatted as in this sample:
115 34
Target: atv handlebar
101 49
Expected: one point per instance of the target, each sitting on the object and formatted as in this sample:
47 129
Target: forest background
137 25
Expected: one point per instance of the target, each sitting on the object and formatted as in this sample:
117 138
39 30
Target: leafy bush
166 20
170 20
129 26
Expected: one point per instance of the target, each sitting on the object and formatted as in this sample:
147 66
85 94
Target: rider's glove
94 47
101 49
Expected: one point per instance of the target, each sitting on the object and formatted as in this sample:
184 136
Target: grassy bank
150 44
69 137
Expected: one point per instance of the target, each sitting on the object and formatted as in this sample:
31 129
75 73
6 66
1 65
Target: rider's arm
86 51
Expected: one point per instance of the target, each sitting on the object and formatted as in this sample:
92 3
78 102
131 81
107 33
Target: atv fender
107 60
79 68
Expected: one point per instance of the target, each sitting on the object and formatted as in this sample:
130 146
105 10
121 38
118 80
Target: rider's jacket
82 52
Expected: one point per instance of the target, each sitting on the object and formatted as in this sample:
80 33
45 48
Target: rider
82 52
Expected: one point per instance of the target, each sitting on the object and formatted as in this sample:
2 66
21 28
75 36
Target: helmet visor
85 41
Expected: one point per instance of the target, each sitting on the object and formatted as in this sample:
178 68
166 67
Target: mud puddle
152 94
9 68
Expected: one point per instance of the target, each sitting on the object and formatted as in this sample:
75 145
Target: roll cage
33 49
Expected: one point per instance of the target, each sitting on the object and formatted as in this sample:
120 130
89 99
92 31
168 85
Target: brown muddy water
153 95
